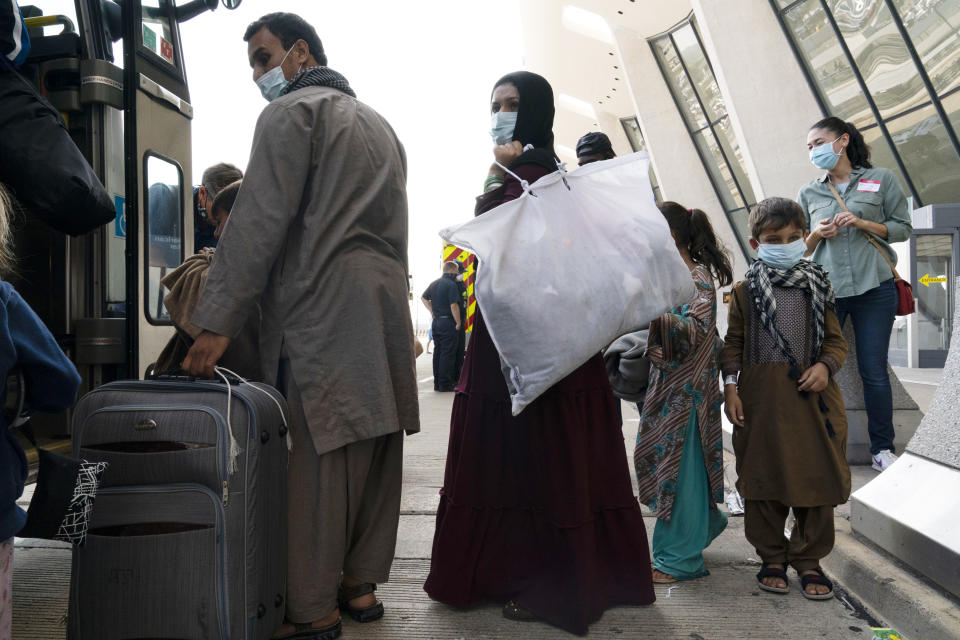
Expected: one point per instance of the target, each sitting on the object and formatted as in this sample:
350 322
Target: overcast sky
427 65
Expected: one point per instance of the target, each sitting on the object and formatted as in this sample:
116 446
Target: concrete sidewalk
726 604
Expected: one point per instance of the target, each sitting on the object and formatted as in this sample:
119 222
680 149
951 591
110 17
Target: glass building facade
689 74
892 68
631 127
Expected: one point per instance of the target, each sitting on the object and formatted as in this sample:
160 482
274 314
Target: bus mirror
194 8
112 19
231 4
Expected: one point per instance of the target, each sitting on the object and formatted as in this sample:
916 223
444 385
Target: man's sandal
818 579
366 614
306 631
766 571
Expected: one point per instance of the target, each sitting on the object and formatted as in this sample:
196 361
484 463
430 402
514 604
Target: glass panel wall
631 126
689 74
892 68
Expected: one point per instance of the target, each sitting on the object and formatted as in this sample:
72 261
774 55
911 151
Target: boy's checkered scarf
319 77
805 275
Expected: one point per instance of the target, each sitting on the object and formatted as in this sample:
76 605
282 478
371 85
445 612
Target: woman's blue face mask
824 157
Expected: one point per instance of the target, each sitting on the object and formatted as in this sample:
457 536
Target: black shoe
307 632
366 614
513 611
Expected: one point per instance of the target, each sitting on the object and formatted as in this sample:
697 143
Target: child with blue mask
782 350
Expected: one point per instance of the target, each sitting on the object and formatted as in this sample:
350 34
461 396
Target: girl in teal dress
679 452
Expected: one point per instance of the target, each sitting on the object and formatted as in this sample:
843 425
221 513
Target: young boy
790 427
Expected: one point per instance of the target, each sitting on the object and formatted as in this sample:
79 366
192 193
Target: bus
115 71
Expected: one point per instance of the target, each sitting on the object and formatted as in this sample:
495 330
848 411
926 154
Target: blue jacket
52 383
14 39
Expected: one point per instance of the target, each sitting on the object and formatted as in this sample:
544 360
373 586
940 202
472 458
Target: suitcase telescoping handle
179 375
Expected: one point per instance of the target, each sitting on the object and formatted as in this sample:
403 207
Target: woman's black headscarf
534 118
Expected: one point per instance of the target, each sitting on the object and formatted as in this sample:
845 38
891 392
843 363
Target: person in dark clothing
51 385
214 180
593 147
536 511
443 299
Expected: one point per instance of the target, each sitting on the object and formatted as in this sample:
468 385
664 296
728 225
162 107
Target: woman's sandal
366 614
513 611
766 571
819 579
306 631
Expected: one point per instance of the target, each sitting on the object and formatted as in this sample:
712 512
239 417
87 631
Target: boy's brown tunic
784 451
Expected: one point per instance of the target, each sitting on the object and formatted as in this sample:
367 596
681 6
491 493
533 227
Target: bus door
159 197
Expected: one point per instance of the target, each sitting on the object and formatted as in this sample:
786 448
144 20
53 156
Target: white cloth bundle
565 271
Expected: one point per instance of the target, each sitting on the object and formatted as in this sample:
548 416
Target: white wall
610 125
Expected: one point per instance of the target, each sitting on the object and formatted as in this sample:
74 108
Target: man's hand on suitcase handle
203 356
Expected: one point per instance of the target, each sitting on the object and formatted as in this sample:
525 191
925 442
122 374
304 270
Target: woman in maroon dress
536 511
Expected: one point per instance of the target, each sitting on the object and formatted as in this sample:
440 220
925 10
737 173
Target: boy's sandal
513 611
766 571
306 631
819 579
366 614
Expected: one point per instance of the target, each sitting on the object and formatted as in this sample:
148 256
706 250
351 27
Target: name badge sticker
871 186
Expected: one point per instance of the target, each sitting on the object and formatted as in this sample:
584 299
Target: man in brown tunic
318 236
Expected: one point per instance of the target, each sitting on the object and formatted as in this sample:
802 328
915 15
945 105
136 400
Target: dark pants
461 350
872 314
444 353
810 541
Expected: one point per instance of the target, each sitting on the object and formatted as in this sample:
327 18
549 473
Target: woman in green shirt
861 277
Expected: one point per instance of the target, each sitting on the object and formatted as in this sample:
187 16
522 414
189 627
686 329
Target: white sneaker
883 460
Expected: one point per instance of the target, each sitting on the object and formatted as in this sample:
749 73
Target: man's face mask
273 82
502 125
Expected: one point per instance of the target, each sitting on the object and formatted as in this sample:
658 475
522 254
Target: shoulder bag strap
870 238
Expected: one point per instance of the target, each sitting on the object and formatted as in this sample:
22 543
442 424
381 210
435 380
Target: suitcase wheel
264 437
278 601
283 431
261 611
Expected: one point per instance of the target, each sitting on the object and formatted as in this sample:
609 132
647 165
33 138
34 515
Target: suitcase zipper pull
226 493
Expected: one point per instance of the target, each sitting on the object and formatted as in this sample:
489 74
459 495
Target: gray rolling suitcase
188 534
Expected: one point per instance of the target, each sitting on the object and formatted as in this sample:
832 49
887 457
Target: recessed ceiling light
616 78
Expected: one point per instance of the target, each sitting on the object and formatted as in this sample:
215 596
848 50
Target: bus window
164 229
156 31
